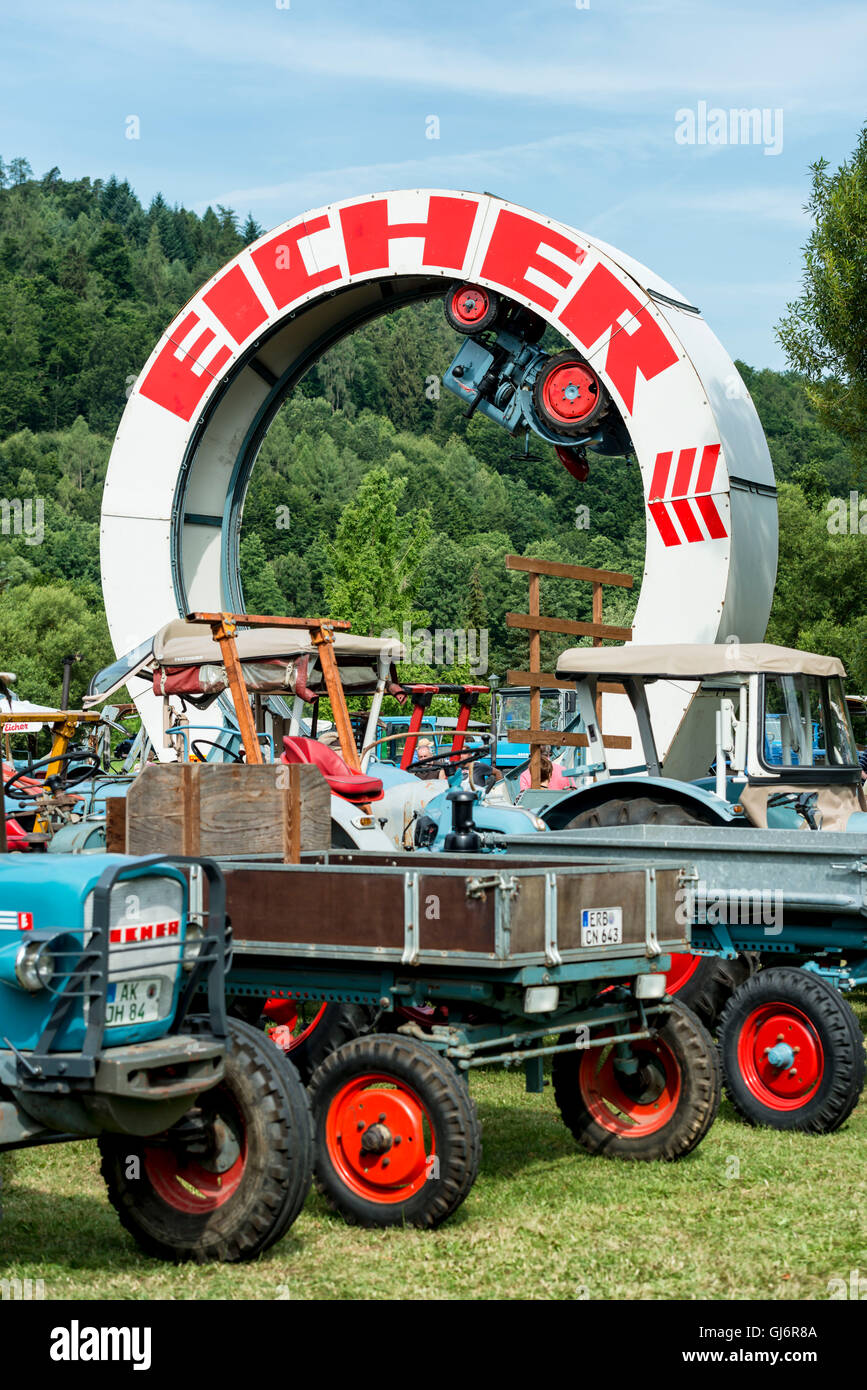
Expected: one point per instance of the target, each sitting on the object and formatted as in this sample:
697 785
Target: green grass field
751 1214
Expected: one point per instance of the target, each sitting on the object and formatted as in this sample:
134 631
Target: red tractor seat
352 786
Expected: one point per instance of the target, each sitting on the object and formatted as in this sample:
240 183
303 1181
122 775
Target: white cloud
765 204
469 169
716 53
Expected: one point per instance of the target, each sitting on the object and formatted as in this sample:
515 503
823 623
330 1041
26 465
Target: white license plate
602 926
133 1001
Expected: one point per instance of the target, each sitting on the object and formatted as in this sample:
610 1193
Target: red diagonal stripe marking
663 522
686 516
712 519
661 470
707 468
683 473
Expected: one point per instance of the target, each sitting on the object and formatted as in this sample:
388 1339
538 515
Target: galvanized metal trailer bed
511 964
792 1051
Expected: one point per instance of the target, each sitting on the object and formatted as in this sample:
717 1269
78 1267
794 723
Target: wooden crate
228 808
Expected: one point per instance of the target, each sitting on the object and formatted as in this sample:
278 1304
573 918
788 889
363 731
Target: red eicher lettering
172 381
146 933
114 937
130 934
518 245
234 302
174 928
367 232
282 267
25 921
596 306
161 929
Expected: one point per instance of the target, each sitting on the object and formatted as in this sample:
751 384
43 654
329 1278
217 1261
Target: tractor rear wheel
398 1140
313 1030
568 395
229 1179
792 1052
661 1110
703 983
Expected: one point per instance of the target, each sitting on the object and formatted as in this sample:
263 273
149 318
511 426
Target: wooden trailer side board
228 808
436 915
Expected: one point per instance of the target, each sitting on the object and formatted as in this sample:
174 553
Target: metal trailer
487 963
792 1051
203 1131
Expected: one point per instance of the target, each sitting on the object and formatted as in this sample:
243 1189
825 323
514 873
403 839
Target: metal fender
564 805
362 830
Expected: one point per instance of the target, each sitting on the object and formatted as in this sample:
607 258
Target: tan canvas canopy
180 643
695 662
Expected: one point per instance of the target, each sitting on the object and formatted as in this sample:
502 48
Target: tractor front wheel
229 1179
471 308
657 1102
792 1052
398 1140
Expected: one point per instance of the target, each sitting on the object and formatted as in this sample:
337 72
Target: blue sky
569 110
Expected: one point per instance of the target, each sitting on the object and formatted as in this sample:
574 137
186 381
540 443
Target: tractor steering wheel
198 743
447 760
89 766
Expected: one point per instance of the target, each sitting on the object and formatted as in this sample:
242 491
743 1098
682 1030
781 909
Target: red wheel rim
284 1034
470 303
189 1185
683 967
625 1106
402 1166
570 392
780 1056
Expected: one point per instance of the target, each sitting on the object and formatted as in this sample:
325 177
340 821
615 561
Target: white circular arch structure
188 439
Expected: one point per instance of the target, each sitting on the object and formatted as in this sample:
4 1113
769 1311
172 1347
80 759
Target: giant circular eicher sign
189 436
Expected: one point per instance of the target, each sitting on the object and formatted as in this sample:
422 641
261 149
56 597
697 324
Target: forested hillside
367 476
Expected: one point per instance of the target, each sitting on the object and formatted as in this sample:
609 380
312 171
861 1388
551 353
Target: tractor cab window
806 724
514 713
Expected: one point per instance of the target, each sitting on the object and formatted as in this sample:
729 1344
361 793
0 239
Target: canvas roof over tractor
687 661
205 654
777 713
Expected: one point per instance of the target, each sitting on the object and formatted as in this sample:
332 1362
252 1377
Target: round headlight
193 939
34 966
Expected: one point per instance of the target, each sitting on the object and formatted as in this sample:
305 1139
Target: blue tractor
203 1129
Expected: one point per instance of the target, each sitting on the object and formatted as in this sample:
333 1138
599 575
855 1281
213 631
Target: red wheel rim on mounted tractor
193 1185
470 303
380 1138
780 1056
631 1105
570 392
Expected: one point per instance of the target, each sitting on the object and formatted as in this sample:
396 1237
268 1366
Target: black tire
411 1072
339 1023
261 1097
488 300
679 1070
571 428
637 810
809 1010
708 989
712 984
